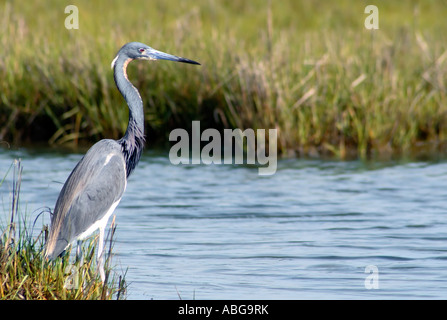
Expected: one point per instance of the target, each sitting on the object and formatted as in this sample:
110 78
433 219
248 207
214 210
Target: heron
96 185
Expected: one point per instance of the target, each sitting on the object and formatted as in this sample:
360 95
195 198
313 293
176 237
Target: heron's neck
133 141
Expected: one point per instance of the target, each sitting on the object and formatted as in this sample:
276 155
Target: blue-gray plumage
97 183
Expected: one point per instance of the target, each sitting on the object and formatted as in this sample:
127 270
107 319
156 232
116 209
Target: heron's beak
158 55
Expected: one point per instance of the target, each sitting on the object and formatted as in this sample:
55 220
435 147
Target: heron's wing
95 186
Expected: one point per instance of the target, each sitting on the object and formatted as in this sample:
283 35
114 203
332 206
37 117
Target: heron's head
137 50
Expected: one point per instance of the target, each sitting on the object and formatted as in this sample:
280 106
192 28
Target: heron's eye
141 50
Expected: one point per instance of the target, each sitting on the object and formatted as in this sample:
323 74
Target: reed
309 69
25 274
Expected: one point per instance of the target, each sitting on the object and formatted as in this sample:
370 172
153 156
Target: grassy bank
25 274
309 69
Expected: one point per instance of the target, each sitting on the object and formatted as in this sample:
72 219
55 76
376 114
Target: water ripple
309 231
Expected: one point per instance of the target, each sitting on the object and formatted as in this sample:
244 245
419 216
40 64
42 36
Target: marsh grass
309 69
25 274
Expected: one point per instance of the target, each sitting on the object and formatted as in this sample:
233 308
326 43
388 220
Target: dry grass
309 69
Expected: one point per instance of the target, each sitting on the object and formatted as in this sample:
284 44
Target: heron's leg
100 254
79 256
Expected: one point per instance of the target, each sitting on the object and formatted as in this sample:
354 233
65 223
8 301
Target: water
307 232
